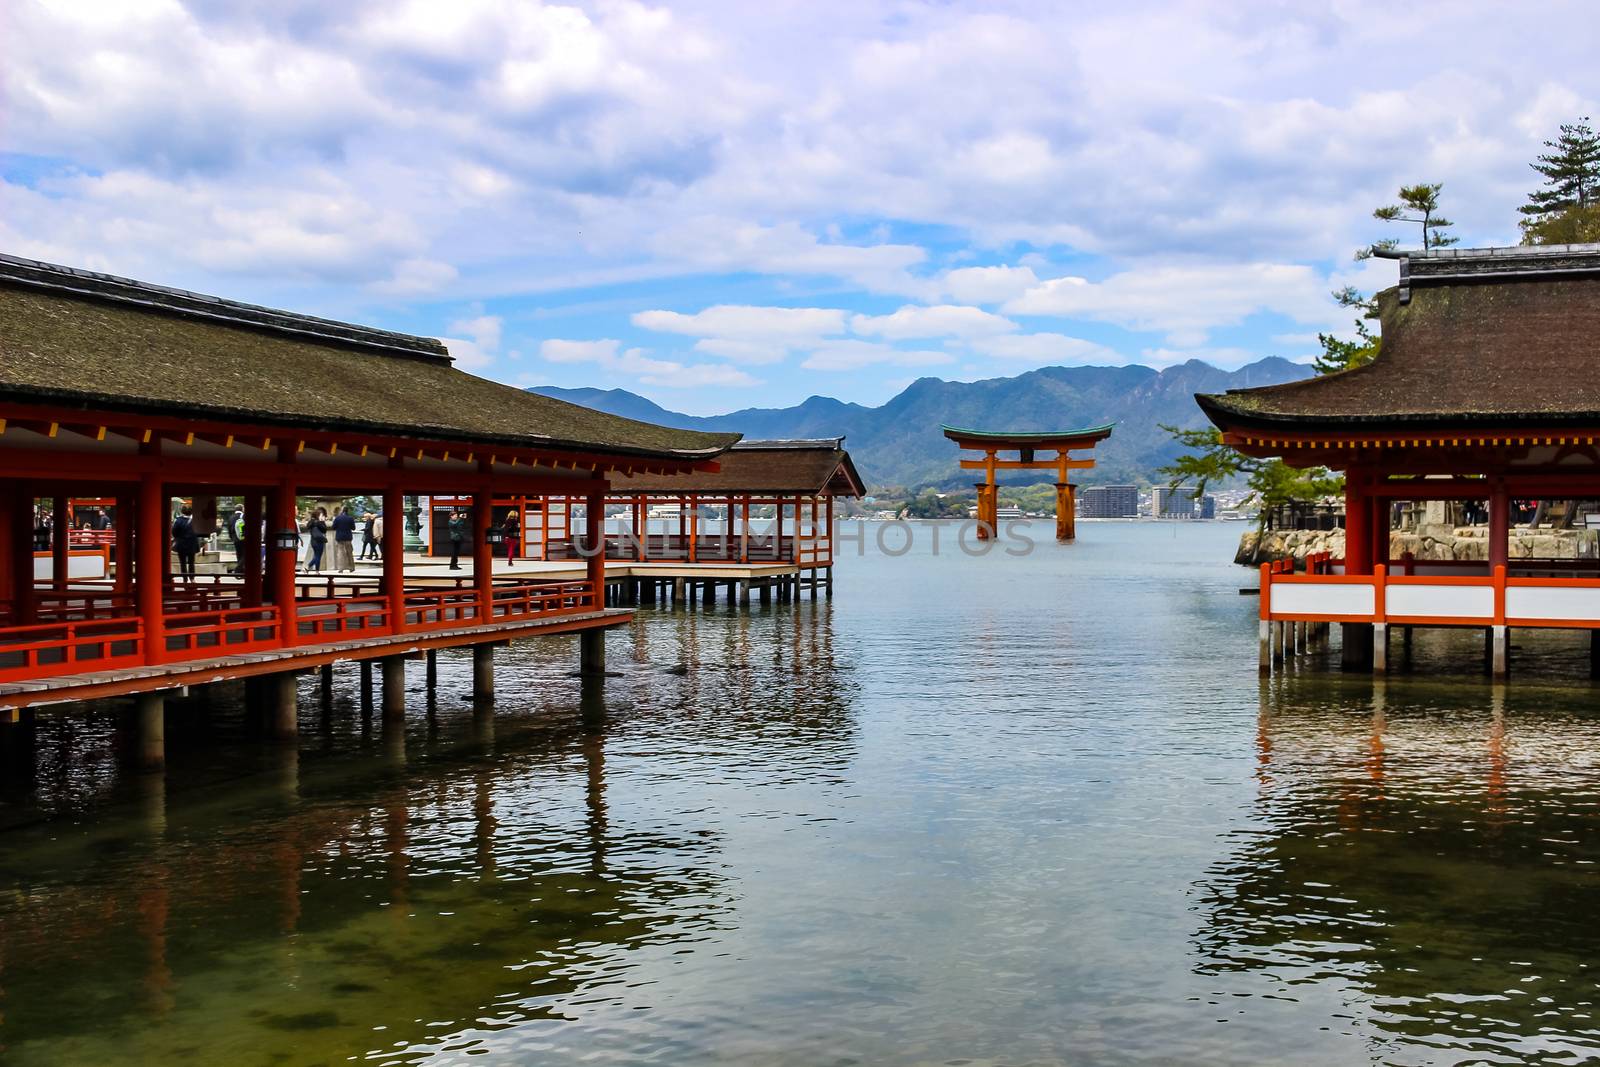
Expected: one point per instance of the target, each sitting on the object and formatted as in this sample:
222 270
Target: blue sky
725 205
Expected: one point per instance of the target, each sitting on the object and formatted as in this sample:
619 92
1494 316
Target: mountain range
899 444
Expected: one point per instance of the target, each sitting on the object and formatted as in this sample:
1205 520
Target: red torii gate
1025 443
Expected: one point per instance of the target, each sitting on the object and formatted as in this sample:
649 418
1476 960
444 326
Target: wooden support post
1380 647
366 686
592 653
764 591
1500 651
250 549
431 674
150 592
678 586
1355 645
708 592
483 674
1277 642
1265 642
393 580
283 563
152 740
744 593
285 707
20 553
60 550
594 519
127 508
483 554
394 687
1594 653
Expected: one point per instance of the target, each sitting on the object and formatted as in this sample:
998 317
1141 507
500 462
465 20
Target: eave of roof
93 342
956 433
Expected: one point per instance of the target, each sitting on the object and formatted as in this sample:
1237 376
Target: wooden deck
15 696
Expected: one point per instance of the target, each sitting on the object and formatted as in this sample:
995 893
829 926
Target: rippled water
999 810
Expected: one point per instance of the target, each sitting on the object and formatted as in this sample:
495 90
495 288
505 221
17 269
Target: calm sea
1016 810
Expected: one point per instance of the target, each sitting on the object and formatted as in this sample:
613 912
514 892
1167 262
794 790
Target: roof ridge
112 288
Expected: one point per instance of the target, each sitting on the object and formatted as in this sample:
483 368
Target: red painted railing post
151 577
1380 576
594 513
394 555
1500 594
284 590
483 553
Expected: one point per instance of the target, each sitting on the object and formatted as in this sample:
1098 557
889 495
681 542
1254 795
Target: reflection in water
405 894
1019 810
1429 851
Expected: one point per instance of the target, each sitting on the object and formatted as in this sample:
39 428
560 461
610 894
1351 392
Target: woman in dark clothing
513 533
318 530
185 542
458 537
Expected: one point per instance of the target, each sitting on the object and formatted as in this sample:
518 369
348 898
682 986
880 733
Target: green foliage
1338 355
1422 201
1567 209
1271 482
930 504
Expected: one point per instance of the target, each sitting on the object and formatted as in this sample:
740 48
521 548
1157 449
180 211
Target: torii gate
1024 443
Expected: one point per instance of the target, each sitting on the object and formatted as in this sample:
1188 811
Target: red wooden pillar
1357 524
250 548
16 570
394 555
151 574
829 521
483 553
127 506
594 515
61 527
1499 525
282 583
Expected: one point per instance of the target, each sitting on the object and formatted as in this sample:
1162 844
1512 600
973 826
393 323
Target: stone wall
1428 541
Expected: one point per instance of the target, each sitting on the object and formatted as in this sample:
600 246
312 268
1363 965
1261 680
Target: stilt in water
366 687
284 721
152 723
483 674
592 653
432 680
1500 651
1380 647
394 687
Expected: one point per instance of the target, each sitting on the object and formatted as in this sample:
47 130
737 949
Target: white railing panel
1317 598
1575 603
1441 601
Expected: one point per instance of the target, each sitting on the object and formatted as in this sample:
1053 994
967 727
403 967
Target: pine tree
1567 209
1423 200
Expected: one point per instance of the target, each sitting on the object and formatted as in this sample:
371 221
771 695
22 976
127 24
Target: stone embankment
1426 542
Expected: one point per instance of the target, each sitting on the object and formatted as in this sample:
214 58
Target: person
185 541
344 539
458 537
513 534
236 535
369 539
41 531
102 521
377 537
317 531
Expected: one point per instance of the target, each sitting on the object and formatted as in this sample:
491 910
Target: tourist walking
377 537
369 536
41 531
344 539
317 532
513 534
185 541
458 537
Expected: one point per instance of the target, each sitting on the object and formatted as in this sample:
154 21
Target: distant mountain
899 443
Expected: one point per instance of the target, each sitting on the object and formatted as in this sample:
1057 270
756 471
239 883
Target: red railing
49 649
433 609
191 634
345 616
542 598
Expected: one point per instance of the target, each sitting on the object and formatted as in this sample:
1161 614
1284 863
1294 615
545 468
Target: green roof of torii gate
1030 437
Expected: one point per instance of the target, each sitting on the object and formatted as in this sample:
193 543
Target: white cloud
747 334
638 366
1045 348
1185 302
474 351
853 355
941 320
988 285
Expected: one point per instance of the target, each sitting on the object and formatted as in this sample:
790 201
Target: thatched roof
780 468
1471 337
76 339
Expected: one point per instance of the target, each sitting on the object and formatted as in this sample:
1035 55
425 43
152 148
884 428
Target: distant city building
1208 507
1169 503
1109 502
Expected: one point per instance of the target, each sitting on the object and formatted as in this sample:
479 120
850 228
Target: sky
727 205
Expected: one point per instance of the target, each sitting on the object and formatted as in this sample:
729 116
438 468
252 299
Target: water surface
1002 810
